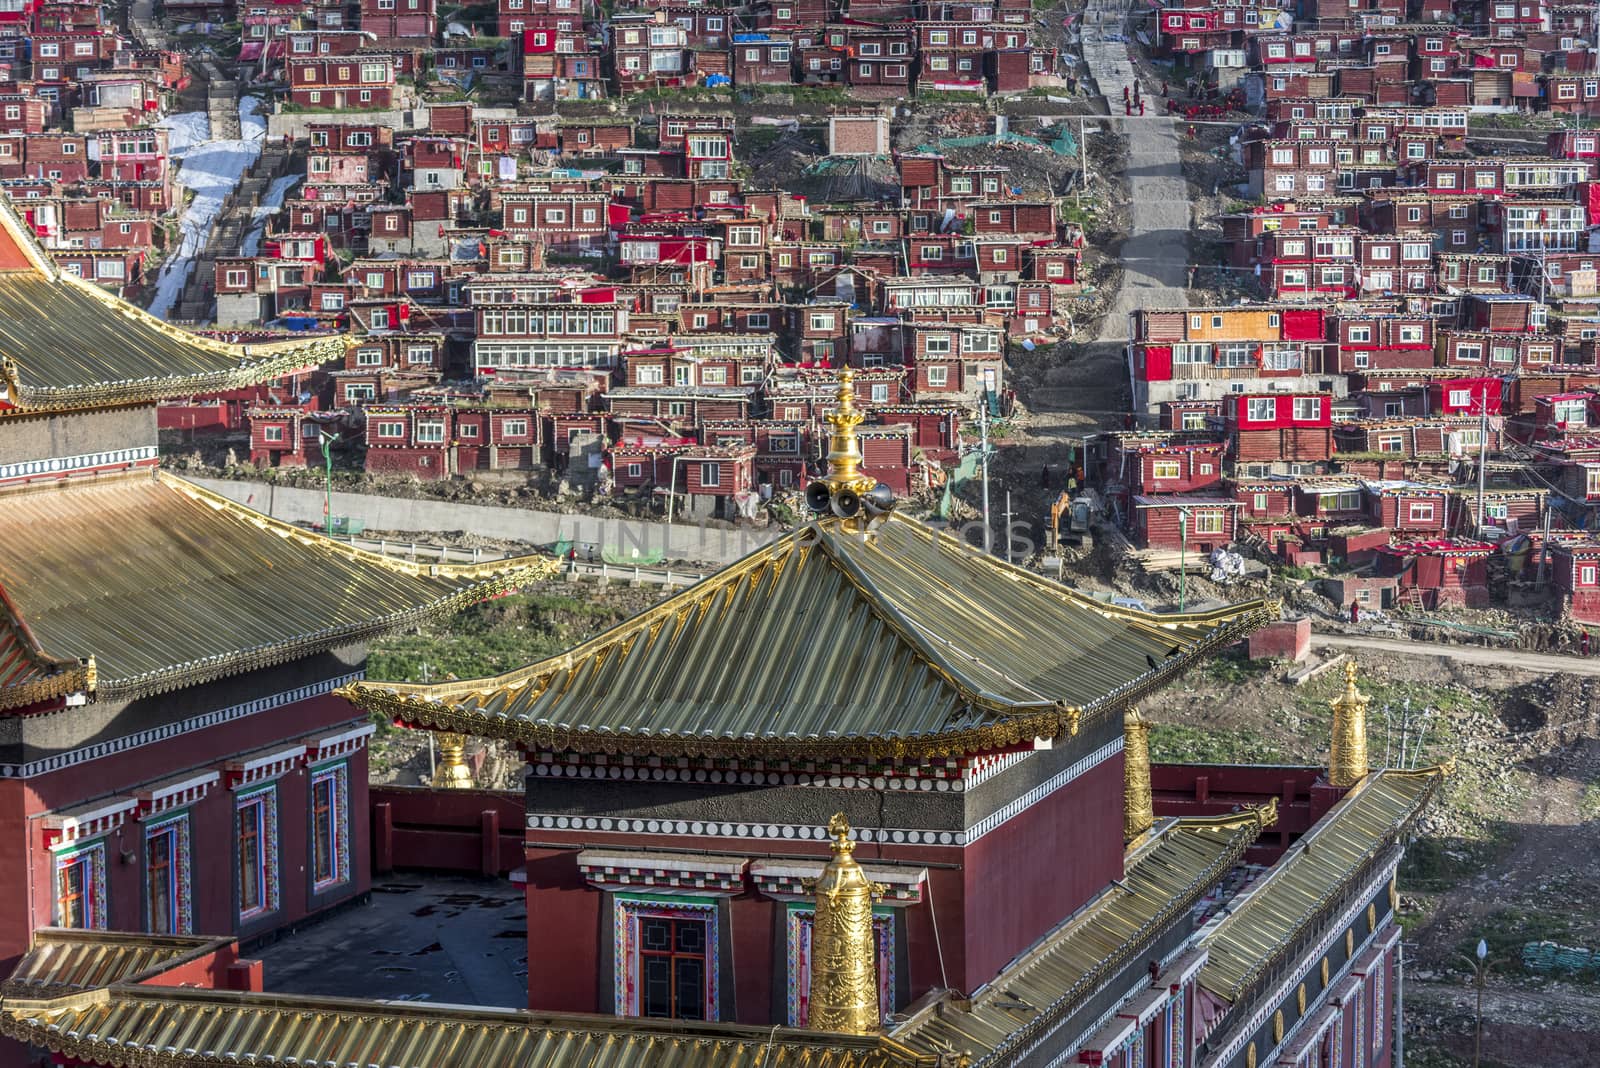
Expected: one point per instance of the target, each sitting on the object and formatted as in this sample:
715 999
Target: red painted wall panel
564 924
1034 870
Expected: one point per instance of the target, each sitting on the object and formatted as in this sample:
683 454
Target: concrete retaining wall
689 541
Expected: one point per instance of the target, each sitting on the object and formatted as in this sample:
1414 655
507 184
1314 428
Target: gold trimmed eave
67 344
1264 925
135 1026
897 643
158 584
28 674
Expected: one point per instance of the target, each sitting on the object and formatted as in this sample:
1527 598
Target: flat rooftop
422 937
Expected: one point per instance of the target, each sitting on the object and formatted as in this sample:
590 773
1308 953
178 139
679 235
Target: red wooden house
1575 567
1445 572
1411 507
1296 427
1192 524
289 435
342 83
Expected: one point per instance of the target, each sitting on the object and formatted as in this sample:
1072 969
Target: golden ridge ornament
844 948
1347 755
1138 807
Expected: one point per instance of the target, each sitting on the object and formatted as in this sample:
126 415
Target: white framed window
1307 408
1419 512
711 475
430 432
273 434
1160 469
1261 409
1208 522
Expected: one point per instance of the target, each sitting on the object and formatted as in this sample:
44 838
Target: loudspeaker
879 499
846 504
817 496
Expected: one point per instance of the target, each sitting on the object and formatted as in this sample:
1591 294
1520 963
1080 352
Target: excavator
1079 508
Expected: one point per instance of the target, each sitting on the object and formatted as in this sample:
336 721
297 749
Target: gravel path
1471 654
1156 255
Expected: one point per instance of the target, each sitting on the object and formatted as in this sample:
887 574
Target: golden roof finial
844 947
844 448
1138 814
1347 751
452 771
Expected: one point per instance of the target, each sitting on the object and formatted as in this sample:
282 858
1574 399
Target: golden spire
844 449
452 772
1347 756
1138 809
844 948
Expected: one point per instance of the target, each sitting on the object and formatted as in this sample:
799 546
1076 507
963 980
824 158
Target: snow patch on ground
211 170
271 202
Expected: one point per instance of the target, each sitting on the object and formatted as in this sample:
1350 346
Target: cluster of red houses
1432 301
1406 442
659 328
1481 54
334 55
80 153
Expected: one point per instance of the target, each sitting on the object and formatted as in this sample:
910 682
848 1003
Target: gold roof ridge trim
1156 622
1258 931
629 629
92 1024
76 960
146 675
879 605
137 382
500 706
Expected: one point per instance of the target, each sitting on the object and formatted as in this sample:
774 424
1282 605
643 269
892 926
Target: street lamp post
1183 559
327 467
1481 968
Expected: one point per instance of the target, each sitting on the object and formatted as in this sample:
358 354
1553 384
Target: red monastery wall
1035 869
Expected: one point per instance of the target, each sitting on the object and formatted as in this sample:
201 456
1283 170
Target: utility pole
1483 453
327 464
1544 548
1481 968
983 432
1083 160
1183 558
1008 528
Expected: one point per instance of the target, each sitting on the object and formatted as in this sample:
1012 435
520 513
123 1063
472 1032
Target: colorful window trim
629 912
1380 1022
1176 1038
799 920
330 826
169 901
256 830
80 886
